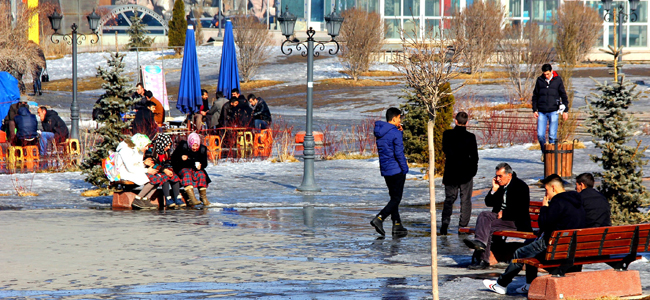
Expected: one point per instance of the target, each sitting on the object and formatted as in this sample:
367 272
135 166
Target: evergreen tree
415 128
112 104
177 26
137 35
612 128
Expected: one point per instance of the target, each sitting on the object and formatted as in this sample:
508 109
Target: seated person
261 112
54 128
240 114
214 114
203 111
131 168
158 109
9 123
144 121
189 160
160 156
26 126
597 211
509 199
560 210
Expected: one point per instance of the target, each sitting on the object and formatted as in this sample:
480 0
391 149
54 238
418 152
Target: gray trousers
486 224
451 194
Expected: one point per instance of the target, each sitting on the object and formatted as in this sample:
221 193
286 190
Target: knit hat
140 141
193 139
161 142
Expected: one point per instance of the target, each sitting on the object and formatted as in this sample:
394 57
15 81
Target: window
432 8
393 28
392 8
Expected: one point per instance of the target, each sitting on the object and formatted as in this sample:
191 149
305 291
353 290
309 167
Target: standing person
139 91
510 200
214 114
549 100
203 111
597 211
461 164
561 210
190 159
54 128
392 164
37 69
159 110
261 113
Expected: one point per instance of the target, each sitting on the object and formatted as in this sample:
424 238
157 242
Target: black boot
378 223
474 244
443 229
399 230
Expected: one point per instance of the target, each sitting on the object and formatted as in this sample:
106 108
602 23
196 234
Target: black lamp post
74 39
619 12
287 23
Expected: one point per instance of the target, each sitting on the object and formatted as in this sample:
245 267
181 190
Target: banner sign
153 79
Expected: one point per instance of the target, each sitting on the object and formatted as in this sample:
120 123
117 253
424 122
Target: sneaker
148 204
479 266
523 289
542 157
474 244
172 206
378 223
494 286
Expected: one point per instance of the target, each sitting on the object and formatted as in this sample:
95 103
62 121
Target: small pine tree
415 128
612 128
112 104
137 35
177 26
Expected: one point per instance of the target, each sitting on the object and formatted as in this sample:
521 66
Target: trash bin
558 159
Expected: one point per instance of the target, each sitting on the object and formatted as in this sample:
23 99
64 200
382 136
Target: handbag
44 76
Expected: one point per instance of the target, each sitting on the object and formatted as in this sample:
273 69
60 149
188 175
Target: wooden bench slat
612 229
536 263
598 237
594 252
516 234
596 245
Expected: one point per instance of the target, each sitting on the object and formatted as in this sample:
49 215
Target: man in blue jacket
392 164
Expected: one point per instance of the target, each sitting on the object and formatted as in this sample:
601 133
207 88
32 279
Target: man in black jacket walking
560 210
596 206
461 165
549 100
509 199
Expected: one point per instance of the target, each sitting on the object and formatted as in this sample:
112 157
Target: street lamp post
74 39
333 24
619 13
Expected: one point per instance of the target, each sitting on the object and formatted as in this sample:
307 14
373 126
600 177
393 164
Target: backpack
109 165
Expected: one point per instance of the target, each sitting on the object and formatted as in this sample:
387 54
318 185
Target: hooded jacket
130 165
564 211
390 147
261 111
517 200
54 124
461 154
597 211
26 124
200 156
548 96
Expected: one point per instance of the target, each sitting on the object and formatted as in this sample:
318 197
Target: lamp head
607 4
333 23
287 22
55 21
93 20
634 4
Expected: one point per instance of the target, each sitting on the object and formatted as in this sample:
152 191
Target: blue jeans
46 138
530 250
261 124
543 120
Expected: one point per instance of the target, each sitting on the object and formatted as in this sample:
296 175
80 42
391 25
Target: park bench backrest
599 241
533 210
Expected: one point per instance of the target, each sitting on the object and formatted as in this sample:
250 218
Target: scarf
161 142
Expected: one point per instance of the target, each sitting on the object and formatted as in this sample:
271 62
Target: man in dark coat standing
461 164
549 100
561 210
509 199
597 210
54 128
392 163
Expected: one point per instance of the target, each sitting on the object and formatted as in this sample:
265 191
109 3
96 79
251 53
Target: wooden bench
533 210
618 246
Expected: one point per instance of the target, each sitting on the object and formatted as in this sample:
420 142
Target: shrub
177 26
137 35
361 37
252 39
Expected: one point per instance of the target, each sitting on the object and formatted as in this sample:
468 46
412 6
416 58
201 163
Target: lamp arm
94 41
338 47
289 50
53 40
302 47
633 17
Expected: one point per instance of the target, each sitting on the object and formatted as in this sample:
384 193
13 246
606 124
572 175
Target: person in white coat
131 168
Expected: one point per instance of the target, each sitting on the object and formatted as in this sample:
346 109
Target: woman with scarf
131 167
160 158
189 161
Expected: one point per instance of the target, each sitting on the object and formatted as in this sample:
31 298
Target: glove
561 110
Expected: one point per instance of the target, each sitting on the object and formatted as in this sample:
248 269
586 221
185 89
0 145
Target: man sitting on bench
510 200
560 210
596 206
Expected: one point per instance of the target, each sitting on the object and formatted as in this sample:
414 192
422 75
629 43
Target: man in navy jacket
392 164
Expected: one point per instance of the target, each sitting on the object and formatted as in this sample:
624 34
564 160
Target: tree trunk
432 209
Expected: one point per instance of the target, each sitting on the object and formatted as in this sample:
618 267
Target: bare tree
198 28
18 56
252 39
528 46
479 28
428 64
362 36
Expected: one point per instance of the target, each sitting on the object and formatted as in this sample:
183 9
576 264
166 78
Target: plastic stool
72 146
15 154
213 142
31 153
245 142
262 143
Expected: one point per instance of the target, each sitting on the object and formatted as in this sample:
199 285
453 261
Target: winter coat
26 124
548 96
240 116
214 114
390 147
597 211
200 156
461 154
13 112
130 164
261 111
159 113
564 211
53 123
517 201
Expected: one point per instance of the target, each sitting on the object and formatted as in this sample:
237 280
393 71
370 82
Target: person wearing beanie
189 160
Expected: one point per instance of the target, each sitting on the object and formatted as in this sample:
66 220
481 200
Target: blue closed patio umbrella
189 91
228 71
